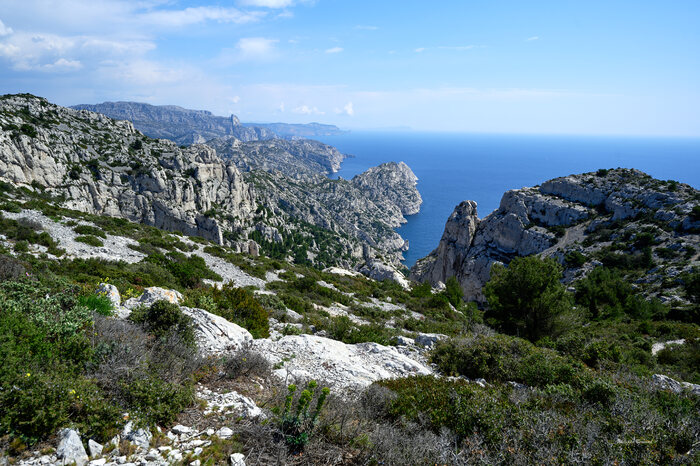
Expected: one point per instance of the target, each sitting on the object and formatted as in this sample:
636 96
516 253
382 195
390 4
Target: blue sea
455 167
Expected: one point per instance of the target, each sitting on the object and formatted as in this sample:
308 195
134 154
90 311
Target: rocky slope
365 210
296 159
102 166
99 165
616 217
184 126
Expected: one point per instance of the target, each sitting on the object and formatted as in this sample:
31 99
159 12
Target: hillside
160 305
647 229
104 166
185 126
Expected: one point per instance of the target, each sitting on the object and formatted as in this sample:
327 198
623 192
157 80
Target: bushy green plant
90 240
89 230
526 297
97 302
188 270
502 358
605 294
236 305
164 318
297 424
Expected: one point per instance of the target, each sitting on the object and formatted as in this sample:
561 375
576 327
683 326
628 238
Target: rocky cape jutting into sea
580 220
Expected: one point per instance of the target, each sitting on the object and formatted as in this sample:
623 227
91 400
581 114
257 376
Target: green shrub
574 259
89 230
188 270
501 358
527 297
605 294
236 305
90 240
163 319
98 303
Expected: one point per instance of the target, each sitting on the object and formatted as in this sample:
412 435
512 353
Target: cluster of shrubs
64 363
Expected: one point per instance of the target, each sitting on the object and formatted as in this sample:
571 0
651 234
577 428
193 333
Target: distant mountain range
185 126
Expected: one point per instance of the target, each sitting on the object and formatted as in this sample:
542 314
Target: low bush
89 230
164 319
90 240
245 363
236 305
501 358
97 302
298 423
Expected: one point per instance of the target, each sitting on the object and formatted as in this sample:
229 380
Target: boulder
341 365
70 448
111 292
379 271
216 335
94 448
153 294
665 382
237 459
224 433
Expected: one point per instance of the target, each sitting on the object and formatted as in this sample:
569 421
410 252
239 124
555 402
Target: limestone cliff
182 125
103 166
601 217
297 159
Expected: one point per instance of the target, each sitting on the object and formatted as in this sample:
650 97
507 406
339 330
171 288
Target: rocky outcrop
573 213
304 357
181 125
70 448
297 159
101 166
363 211
393 182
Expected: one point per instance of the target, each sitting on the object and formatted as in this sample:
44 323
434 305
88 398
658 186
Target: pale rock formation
341 365
70 448
216 335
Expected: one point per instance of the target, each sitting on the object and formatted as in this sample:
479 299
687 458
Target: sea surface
455 167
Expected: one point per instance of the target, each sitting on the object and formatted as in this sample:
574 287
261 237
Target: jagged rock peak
557 218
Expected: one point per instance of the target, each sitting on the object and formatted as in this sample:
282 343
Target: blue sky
594 67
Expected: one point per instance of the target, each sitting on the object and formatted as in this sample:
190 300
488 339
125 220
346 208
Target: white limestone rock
70 448
340 364
216 335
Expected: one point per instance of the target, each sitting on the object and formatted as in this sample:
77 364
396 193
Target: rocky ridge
595 215
297 159
181 125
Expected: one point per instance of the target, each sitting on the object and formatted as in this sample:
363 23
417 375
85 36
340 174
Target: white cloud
256 48
306 110
419 49
267 3
235 99
532 38
4 30
334 50
62 65
281 107
366 28
188 16
346 110
52 52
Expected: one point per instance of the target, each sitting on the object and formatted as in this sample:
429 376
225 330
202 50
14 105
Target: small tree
526 297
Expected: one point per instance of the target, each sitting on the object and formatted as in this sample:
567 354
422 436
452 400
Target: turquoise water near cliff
455 167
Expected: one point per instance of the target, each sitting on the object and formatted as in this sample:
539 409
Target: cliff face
297 159
103 166
181 125
597 215
366 208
